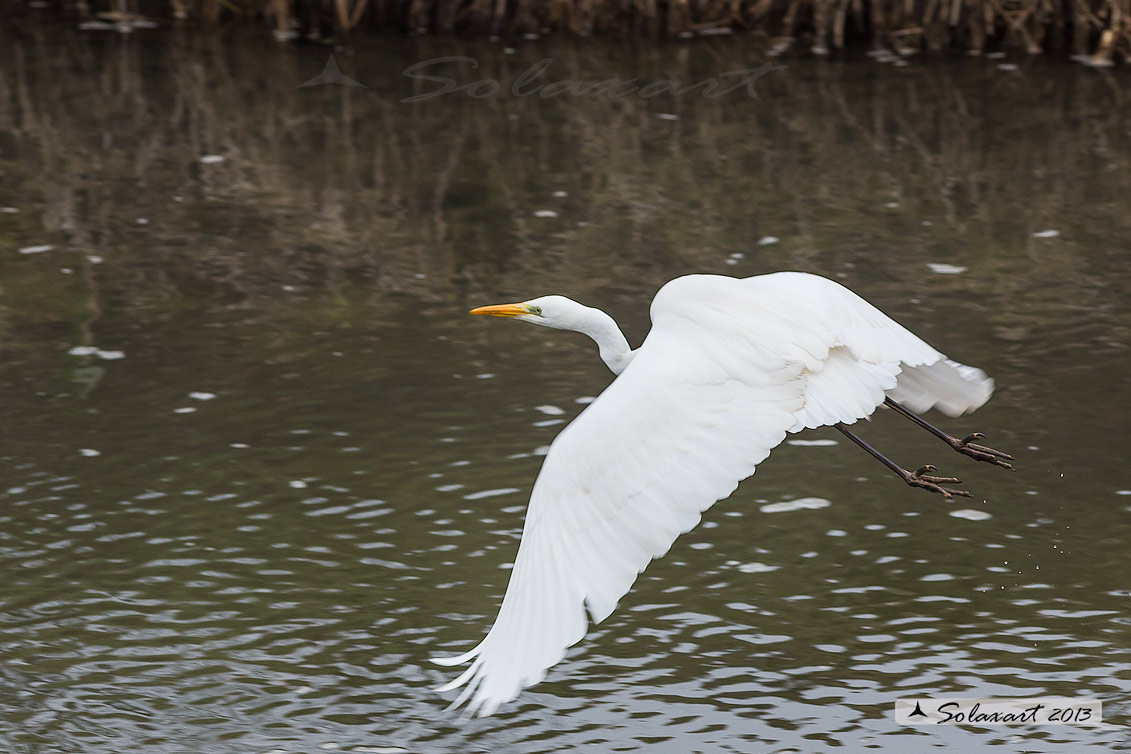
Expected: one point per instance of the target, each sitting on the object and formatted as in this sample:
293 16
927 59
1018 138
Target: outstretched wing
729 367
868 348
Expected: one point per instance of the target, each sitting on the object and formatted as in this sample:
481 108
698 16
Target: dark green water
282 468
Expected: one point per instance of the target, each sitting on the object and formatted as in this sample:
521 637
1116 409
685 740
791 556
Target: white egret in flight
729 368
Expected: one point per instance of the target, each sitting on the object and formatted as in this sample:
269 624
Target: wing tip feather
451 661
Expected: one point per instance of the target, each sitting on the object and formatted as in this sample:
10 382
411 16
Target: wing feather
729 368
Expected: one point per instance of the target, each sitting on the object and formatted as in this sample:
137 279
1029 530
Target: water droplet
803 503
970 514
757 568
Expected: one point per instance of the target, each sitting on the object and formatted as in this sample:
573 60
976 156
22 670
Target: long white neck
610 340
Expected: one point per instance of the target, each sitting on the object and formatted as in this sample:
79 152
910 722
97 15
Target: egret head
549 311
562 313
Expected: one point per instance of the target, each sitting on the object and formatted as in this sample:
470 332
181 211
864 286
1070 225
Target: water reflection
272 568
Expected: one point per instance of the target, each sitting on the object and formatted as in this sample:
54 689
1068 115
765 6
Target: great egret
729 368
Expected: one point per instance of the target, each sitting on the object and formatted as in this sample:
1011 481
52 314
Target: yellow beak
501 310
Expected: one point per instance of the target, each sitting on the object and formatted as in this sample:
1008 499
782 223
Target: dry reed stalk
822 21
757 11
1103 54
789 23
734 13
470 15
881 26
585 17
647 10
281 10
896 19
988 17
347 16
357 12
839 21
975 26
209 11
559 15
498 17
679 17
417 16
929 22
955 13
1039 22
524 19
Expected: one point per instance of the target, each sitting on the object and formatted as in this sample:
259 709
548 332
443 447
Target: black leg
918 478
965 446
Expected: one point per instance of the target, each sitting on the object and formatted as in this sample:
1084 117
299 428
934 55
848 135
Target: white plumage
728 369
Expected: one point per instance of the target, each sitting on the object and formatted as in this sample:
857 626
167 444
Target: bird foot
923 480
967 447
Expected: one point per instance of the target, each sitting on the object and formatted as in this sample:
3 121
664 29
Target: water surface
259 465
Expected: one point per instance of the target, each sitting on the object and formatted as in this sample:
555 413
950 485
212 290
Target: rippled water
259 466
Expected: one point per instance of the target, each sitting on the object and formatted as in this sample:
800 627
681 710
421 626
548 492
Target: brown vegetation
1094 31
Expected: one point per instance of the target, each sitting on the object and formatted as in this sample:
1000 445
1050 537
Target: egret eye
536 310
